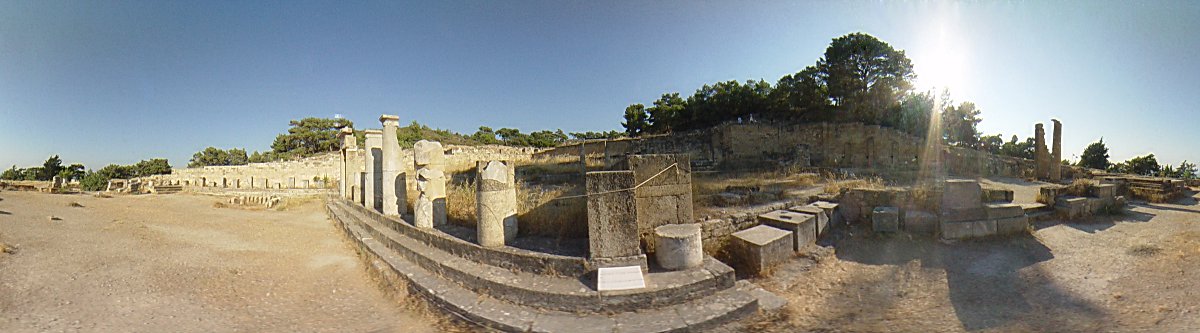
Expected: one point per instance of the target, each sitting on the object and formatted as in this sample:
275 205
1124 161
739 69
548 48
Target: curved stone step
506 257
545 291
694 316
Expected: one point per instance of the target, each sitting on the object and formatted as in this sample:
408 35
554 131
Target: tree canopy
1095 156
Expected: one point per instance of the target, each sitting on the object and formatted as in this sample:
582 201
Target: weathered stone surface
395 198
997 195
373 165
969 214
1000 211
496 203
920 222
818 212
1055 168
1105 191
1072 207
423 212
431 187
758 248
961 194
831 211
665 192
1041 155
429 153
885 219
968 229
1012 225
679 246
612 217
801 225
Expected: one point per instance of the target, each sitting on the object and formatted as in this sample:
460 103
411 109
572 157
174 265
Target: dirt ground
176 263
1137 272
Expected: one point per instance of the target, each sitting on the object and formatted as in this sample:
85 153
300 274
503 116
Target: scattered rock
7 249
53 218
74 204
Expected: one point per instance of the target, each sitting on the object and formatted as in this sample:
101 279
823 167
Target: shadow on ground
987 288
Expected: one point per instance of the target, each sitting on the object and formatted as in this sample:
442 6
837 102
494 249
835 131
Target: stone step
698 315
505 257
568 293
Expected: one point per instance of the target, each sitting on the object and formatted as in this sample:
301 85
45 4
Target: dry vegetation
542 210
835 183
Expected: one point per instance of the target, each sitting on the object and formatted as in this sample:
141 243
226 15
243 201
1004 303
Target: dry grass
539 211
1144 250
764 181
837 183
1078 188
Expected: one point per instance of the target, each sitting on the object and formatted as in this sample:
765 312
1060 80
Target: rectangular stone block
885 219
802 226
1104 191
966 214
758 248
920 222
997 195
961 194
1071 207
831 210
1012 225
968 229
1005 210
612 221
822 218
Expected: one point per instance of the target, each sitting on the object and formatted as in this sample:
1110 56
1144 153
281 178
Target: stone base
758 248
1012 225
968 229
802 226
822 219
638 260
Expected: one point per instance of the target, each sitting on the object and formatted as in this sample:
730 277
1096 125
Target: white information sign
620 278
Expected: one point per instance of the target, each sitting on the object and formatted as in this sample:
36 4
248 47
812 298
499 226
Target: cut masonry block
1071 207
822 218
1012 225
968 229
802 226
1005 210
885 219
831 211
761 247
961 194
920 222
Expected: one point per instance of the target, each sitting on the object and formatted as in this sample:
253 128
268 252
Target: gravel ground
179 263
1137 272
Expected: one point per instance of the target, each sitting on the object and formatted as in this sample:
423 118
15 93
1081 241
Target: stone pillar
304 183
291 182
1040 155
349 168
1056 162
678 246
373 166
251 183
395 196
495 203
428 155
425 210
613 238
362 188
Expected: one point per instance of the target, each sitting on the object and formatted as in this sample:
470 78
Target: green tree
666 113
237 156
635 120
1095 156
11 174
725 101
801 96
154 166
959 125
991 143
1186 170
72 172
914 114
865 76
50 168
485 135
1017 148
589 135
310 136
1141 165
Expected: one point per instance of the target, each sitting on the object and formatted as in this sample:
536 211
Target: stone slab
1003 210
961 194
822 218
885 219
967 214
968 229
801 225
1012 225
920 222
612 221
758 248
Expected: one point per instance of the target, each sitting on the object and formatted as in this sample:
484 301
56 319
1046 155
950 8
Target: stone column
361 193
395 196
425 210
495 203
428 155
678 246
373 167
1056 162
1040 155
349 144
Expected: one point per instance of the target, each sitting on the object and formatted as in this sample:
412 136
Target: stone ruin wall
317 170
823 145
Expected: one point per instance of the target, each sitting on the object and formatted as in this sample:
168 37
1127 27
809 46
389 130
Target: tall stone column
373 167
1056 162
349 149
395 196
428 155
1040 155
495 203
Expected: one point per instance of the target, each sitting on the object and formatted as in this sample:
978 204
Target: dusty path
1139 272
176 263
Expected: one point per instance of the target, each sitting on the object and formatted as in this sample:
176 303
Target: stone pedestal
429 155
395 198
373 167
678 246
612 219
496 203
758 248
819 213
802 226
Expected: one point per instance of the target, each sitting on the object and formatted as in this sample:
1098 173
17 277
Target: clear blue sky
103 82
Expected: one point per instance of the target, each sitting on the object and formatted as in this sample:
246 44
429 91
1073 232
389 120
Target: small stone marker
620 278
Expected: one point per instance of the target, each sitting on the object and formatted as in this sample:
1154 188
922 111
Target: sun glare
941 63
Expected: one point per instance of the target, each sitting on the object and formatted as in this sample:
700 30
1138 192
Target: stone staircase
516 290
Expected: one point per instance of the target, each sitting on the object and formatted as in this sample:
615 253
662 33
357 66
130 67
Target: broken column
1041 157
496 203
1056 161
395 197
678 246
373 196
613 238
431 184
349 149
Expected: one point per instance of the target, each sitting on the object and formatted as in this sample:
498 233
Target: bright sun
940 64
